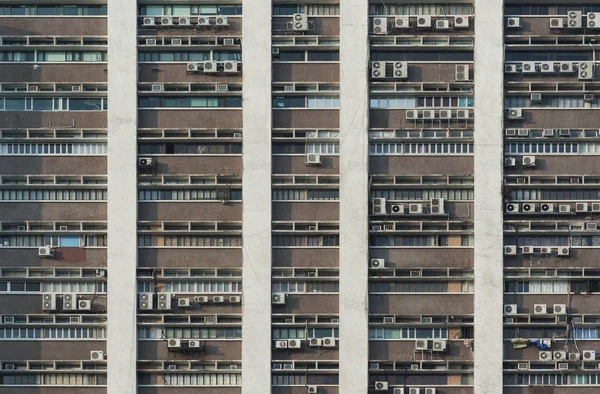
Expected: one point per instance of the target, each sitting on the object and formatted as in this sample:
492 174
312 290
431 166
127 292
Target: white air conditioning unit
557 23
586 70
559 309
574 356
421 344
588 355
529 161
201 299
442 24
96 355
315 342
151 41
528 68
511 69
423 21
294 344
378 70
166 21
69 302
528 207
548 133
510 250
278 298
313 159
157 87
228 41
145 301
49 302
547 208
566 68
231 66
194 344
148 21
513 23
540 309
299 22
218 299
8 319
510 309
415 209
209 66
84 305
563 251
378 206
164 301
145 162
389 319
545 250
380 25
445 114
429 390
545 356
514 113
523 132
402 22
563 366
510 162
412 114
400 70
547 68
574 19
439 345
222 87
377 263
174 343
235 299
559 355
204 21
329 342
564 208
581 207
184 21
414 390
46 251
193 67
184 302
461 21
591 226
312 389
593 20
397 209
436 206
463 114
512 208
462 73
595 207
381 386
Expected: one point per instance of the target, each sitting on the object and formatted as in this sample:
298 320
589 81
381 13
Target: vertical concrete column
256 195
122 196
354 196
489 123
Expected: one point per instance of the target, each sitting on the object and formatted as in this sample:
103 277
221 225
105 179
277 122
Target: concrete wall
489 78
354 197
122 197
256 213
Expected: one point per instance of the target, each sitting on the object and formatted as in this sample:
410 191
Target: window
203 379
54 149
421 9
202 286
190 102
53 104
408 333
203 333
420 148
423 194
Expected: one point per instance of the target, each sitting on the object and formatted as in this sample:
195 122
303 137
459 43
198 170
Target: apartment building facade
289 197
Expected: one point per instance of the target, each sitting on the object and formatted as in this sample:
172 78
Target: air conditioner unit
312 389
294 344
588 355
145 301
69 302
164 301
429 390
566 68
278 298
528 68
527 250
535 97
559 309
231 66
329 342
299 22
150 41
235 299
288 366
442 24
563 365
424 21
523 132
157 87
548 133
184 302
421 344
529 161
510 309
193 67
581 207
400 70
145 162
381 386
84 305
176 41
545 356
564 208
511 69
547 208
461 72
388 319
218 299
49 302
557 23
591 226
228 41
439 345
574 356
166 21
193 344
445 114
378 70
415 209
522 366
201 299
563 251
513 23
380 25
574 19
461 21
564 133
76 88
74 320
436 206
545 250
463 114
314 342
209 66
174 343
559 355
221 21
510 250
528 208
184 21
377 263
204 21
510 162
313 159
415 367
412 115
428 114
378 206
222 87
593 20
96 355
586 70
46 251
515 113
148 21
397 209
540 309
402 22
595 207
414 390
210 319
8 319
512 208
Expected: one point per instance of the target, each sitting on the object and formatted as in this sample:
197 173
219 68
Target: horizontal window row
584 148
424 194
189 333
305 287
189 240
74 287
308 56
536 286
53 333
305 240
304 333
421 240
306 102
54 149
201 379
190 102
186 9
53 56
421 56
420 102
187 195
554 195
553 240
547 55
527 332
408 333
421 148
190 148
552 101
310 9
53 379
18 287
543 9
185 56
191 286
53 104
408 287
537 379
324 148
53 195
30 241
421 9
303 195
301 380
53 9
